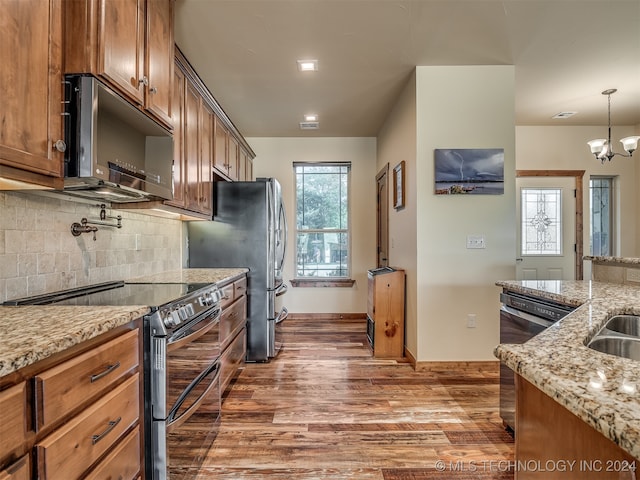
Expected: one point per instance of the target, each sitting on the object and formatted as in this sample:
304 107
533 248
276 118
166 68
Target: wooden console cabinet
385 312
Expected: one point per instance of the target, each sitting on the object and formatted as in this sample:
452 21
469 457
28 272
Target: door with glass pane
546 210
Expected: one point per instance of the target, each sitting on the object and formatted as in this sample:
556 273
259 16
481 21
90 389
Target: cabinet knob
60 146
143 81
153 90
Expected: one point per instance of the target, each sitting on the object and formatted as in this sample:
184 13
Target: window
322 220
600 203
541 221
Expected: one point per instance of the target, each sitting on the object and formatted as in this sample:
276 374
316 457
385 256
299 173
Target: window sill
340 283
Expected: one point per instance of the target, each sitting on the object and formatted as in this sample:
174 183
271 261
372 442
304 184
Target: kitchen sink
625 324
626 347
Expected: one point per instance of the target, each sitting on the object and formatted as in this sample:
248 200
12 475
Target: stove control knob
171 318
208 300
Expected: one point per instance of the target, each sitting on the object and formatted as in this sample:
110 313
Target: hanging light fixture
601 147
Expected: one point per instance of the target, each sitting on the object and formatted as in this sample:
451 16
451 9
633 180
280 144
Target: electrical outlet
475 241
471 320
633 275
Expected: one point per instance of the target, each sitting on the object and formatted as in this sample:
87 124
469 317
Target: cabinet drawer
74 447
233 318
13 415
232 357
62 388
227 295
123 463
20 470
240 287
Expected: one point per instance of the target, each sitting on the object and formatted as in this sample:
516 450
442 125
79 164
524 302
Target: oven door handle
526 316
172 422
180 341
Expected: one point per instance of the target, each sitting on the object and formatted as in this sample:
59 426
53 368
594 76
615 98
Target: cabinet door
220 156
20 470
232 158
30 85
191 145
179 163
159 60
206 159
13 415
121 45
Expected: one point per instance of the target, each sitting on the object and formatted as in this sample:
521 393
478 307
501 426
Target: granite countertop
29 334
48 329
603 390
192 275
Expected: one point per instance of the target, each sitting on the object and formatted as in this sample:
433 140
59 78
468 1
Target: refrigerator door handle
284 313
282 289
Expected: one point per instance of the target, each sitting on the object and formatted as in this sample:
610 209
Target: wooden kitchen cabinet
233 330
61 389
71 449
179 158
13 421
385 312
221 156
198 127
547 431
31 92
86 405
20 470
129 44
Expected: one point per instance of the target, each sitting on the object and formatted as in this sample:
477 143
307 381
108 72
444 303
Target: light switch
475 241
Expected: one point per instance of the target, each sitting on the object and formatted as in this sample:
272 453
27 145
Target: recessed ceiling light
564 114
311 117
309 125
308 65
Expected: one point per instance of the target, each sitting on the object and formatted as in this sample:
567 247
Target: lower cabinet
233 332
19 470
549 437
77 414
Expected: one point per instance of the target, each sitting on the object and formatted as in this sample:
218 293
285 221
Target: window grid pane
600 203
322 221
541 221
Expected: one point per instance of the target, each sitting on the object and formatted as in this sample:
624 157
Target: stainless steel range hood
115 153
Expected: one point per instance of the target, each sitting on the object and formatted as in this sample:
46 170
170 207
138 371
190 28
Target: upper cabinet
129 44
31 129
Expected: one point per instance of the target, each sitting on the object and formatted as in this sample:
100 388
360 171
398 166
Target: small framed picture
398 186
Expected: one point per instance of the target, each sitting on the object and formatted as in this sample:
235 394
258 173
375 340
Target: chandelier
601 147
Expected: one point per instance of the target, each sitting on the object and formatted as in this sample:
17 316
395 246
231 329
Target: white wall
397 142
565 148
462 107
274 158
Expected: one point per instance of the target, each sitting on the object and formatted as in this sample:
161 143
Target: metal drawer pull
107 371
112 424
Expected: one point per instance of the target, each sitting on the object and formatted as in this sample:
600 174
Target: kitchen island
601 390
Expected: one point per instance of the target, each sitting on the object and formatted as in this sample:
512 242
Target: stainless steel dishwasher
522 317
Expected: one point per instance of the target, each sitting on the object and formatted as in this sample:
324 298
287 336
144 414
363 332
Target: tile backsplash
38 253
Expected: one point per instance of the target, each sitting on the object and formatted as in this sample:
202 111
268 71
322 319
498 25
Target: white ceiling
565 52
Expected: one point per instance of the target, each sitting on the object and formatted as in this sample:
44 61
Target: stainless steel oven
184 380
522 317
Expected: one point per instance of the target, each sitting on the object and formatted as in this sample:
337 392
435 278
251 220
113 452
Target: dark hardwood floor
326 409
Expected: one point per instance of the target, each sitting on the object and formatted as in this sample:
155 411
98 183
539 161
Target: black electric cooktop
116 294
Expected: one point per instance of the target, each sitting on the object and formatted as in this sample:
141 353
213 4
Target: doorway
549 229
382 217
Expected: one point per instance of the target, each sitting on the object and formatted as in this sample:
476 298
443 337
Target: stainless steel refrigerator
249 230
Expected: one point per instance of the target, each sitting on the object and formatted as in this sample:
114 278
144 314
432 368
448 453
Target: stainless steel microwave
114 152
